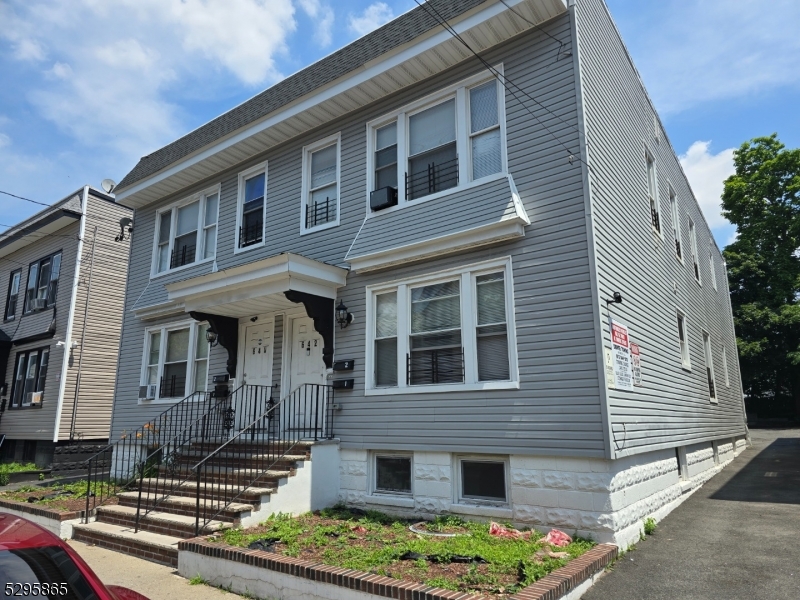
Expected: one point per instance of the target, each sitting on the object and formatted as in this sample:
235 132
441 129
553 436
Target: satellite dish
108 185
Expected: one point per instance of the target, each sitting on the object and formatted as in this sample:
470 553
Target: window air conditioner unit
39 303
383 198
148 392
34 398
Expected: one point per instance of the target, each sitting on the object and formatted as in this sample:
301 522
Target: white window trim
650 156
458 497
243 175
695 252
675 216
686 362
336 138
725 367
199 246
373 473
712 267
194 327
459 91
708 359
467 274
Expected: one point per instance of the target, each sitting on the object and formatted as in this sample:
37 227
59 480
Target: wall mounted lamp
343 318
617 299
211 337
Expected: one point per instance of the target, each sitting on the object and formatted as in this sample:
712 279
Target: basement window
392 474
483 480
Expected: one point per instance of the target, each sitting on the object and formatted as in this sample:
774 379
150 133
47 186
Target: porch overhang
257 287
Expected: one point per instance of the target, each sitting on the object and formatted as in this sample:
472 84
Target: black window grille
443 365
320 212
172 387
251 233
655 216
696 271
182 255
678 248
437 177
711 388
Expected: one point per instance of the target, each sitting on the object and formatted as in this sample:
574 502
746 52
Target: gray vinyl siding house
558 222
57 329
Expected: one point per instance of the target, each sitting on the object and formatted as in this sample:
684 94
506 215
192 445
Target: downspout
71 318
83 339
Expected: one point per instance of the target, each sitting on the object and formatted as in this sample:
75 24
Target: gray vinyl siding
557 410
39 423
672 407
100 346
277 354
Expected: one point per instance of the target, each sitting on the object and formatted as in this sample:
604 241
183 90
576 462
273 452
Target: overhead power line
23 198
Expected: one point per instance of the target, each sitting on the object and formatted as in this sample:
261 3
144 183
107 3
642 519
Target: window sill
686 368
182 268
26 407
144 402
445 387
242 249
714 400
387 500
477 510
316 228
37 311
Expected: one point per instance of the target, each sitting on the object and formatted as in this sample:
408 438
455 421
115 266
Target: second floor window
683 339
13 294
713 269
695 257
712 388
321 184
187 232
432 151
652 193
676 224
42 287
252 199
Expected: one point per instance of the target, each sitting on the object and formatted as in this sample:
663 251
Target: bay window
454 330
30 374
186 232
442 142
42 287
176 359
321 184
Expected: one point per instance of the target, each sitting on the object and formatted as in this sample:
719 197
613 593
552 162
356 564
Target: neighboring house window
30 374
252 206
695 257
176 359
713 269
725 367
683 339
482 480
712 390
13 294
321 184
453 329
676 223
652 193
42 283
439 143
187 232
392 474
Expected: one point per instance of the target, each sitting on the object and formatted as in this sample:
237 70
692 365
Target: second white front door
307 365
258 355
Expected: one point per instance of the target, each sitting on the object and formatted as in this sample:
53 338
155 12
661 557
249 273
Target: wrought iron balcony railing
437 177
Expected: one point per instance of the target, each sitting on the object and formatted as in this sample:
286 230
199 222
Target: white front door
307 367
256 371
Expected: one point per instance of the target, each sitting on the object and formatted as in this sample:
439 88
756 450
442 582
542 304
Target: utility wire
23 198
539 27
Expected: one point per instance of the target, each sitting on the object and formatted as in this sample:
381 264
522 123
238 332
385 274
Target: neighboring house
58 357
475 232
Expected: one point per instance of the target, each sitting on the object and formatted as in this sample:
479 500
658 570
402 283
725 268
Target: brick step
162 549
229 476
252 495
207 447
195 456
156 521
186 505
243 462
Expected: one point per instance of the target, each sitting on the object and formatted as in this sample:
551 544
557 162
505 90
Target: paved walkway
737 537
154 581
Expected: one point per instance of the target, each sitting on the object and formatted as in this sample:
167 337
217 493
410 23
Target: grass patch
14 467
650 526
64 497
371 541
197 580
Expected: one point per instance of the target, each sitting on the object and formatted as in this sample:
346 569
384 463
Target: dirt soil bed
474 562
68 497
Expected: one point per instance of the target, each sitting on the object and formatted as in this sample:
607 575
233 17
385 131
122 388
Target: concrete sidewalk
737 537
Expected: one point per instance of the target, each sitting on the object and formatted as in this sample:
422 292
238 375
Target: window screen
393 474
386 339
492 334
435 341
483 480
484 130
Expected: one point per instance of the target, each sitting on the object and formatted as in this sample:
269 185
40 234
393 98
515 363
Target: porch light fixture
617 299
343 318
211 337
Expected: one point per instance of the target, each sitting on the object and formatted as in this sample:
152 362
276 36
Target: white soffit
432 53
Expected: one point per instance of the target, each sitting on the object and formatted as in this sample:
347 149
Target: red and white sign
619 334
636 364
620 347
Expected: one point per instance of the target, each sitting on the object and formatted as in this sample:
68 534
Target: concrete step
229 476
156 521
162 549
187 505
251 495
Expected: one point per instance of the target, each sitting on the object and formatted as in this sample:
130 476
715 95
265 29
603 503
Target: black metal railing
172 387
696 270
437 177
222 476
712 392
435 366
120 464
320 212
656 218
182 255
678 248
251 234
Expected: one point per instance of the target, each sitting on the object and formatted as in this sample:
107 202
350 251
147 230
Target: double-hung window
695 257
454 330
725 368
42 285
652 193
252 206
321 184
683 340
676 223
186 233
439 143
176 359
712 388
13 293
30 374
712 269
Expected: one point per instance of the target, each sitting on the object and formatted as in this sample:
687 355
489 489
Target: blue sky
89 86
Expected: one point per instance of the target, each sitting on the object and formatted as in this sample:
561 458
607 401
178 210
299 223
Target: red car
34 563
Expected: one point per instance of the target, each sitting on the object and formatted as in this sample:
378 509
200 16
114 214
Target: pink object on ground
500 531
557 538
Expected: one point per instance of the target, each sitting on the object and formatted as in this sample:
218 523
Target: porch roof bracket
227 330
321 310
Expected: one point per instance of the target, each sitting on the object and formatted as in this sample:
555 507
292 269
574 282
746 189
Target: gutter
71 317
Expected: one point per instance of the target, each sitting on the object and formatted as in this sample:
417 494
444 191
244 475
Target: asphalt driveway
737 537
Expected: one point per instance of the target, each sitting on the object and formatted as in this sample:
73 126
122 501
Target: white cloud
706 173
373 17
710 50
4 140
324 18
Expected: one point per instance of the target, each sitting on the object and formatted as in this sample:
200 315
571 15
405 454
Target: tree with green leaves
763 200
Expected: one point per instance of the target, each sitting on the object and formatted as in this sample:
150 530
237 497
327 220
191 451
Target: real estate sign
621 351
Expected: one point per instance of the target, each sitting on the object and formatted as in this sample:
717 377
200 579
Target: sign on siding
621 350
612 382
636 364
